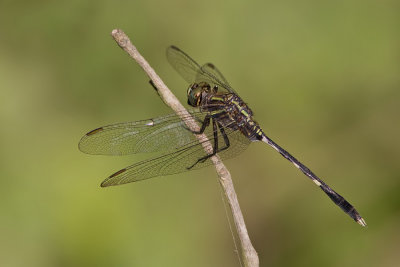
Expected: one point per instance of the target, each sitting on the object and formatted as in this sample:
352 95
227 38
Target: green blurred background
322 78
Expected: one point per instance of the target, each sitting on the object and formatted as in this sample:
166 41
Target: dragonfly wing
160 134
181 160
183 63
175 162
191 71
211 74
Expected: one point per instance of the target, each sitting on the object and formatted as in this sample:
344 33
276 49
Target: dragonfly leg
216 125
204 124
153 85
226 139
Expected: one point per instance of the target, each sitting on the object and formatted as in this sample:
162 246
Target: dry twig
249 254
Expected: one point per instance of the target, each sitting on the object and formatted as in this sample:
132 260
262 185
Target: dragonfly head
196 92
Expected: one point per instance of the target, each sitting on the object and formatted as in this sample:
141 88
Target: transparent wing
162 134
191 71
178 161
183 64
212 70
159 134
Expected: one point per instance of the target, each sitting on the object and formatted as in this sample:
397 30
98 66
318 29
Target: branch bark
248 252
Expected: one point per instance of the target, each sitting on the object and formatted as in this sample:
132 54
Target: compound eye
215 88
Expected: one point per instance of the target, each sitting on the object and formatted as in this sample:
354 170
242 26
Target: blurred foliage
322 77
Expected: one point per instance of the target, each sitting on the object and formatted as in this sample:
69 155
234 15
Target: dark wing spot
117 173
95 131
211 65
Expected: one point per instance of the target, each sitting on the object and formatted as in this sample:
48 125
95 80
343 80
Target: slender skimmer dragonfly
224 118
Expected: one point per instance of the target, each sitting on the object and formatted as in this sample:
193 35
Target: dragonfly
223 117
